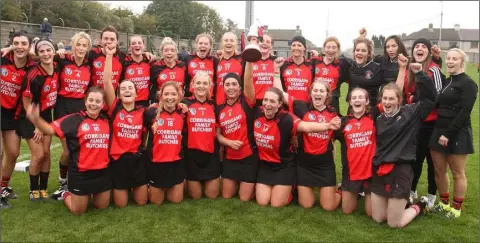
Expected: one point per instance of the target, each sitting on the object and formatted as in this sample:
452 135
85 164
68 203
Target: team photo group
239 124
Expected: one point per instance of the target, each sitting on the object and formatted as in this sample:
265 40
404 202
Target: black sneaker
57 195
4 203
8 193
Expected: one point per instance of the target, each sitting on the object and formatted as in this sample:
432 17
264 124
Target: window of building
453 44
289 43
474 44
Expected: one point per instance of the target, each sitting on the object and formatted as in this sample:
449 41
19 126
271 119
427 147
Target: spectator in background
96 43
34 43
183 53
46 29
61 46
10 36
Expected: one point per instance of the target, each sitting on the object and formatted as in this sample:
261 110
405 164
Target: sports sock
5 181
34 182
457 203
444 198
44 180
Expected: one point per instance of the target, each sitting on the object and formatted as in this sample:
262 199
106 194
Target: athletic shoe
413 197
441 207
44 194
35 195
57 195
431 201
7 192
4 203
453 213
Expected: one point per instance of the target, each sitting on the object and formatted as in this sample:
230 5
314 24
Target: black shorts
396 184
143 103
335 103
244 170
26 129
166 175
202 166
67 106
281 174
8 121
316 170
128 171
462 143
89 182
355 186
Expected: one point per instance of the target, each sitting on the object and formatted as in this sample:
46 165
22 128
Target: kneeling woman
165 166
397 129
87 134
126 151
273 131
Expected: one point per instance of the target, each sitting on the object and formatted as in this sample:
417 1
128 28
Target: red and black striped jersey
201 124
263 71
41 87
127 129
358 139
166 131
74 80
333 73
314 143
296 79
273 137
97 60
11 82
160 73
233 64
139 74
236 123
87 140
195 64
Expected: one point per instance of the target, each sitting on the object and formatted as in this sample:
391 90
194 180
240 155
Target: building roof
281 34
447 34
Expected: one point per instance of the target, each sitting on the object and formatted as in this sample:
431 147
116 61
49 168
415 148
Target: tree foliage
378 41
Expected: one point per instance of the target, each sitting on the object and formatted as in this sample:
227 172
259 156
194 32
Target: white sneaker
431 201
413 196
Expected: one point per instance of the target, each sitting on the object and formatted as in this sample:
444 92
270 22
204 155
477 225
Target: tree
144 24
381 40
12 11
231 25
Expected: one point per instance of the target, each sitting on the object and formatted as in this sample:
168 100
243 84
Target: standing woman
201 60
263 70
169 68
452 138
74 80
228 62
87 134
127 136
166 165
40 86
273 131
421 53
15 66
397 130
202 160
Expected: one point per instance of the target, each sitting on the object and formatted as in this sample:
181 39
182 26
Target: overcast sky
345 18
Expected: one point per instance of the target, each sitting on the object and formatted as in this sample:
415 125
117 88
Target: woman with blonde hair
452 138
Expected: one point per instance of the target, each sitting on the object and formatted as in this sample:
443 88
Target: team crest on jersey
163 76
368 74
160 122
317 70
255 67
202 64
4 72
311 117
258 124
289 72
219 68
130 71
85 127
348 127
193 65
193 111
98 64
68 71
122 117
222 115
46 88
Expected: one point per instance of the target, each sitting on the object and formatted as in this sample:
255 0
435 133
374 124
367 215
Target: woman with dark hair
392 47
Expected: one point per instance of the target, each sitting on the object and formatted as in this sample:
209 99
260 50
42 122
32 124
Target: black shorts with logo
26 129
243 170
89 182
66 106
396 184
277 174
166 175
129 171
202 166
462 143
316 170
355 186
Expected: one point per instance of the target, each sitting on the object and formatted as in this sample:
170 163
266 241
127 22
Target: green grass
230 220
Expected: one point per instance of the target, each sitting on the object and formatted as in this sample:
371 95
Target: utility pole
328 20
441 22
248 14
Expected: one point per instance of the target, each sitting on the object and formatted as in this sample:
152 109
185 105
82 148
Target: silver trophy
252 51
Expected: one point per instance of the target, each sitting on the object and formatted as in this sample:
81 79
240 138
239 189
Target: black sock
44 180
34 182
63 171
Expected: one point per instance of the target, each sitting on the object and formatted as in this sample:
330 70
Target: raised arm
402 63
108 74
277 82
249 89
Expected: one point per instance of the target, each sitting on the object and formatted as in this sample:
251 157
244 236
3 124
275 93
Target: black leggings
423 151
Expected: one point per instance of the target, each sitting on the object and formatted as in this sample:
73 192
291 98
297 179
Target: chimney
457 27
430 27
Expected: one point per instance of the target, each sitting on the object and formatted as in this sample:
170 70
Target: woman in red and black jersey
235 132
169 68
201 60
166 166
136 68
273 131
39 86
87 134
127 135
15 66
201 154
263 70
315 158
228 62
